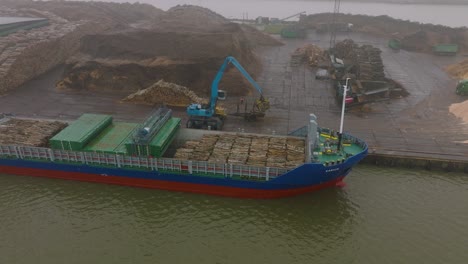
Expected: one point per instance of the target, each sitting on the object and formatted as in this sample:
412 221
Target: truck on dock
364 91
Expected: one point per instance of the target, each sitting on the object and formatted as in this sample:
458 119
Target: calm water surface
381 216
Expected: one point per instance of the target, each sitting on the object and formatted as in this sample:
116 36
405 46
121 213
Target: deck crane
209 116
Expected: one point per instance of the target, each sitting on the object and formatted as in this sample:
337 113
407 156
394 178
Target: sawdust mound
258 38
165 93
122 13
34 133
459 70
189 18
460 110
186 45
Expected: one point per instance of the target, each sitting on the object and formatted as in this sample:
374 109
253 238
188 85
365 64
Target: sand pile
34 133
165 93
460 110
459 70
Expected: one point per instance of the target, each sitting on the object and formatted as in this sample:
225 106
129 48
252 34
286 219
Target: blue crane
203 116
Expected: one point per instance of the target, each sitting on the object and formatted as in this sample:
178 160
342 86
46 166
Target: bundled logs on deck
243 149
34 133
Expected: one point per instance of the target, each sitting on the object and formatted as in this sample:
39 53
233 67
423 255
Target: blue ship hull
305 178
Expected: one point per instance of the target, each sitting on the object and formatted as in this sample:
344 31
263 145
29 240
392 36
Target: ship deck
327 149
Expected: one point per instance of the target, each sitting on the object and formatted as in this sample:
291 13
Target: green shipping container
293 32
445 49
274 29
394 44
80 132
159 143
112 139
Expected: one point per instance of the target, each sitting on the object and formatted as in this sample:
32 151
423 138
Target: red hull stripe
167 185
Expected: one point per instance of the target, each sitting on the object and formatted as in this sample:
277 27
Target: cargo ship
160 154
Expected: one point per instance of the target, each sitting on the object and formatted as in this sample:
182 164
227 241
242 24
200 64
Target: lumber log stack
244 149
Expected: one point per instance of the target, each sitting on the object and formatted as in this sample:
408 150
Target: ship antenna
345 89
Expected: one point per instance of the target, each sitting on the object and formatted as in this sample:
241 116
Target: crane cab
222 95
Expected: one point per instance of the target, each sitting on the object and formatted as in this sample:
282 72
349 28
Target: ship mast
345 89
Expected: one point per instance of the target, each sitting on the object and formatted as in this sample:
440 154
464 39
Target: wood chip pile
35 133
459 70
245 150
165 93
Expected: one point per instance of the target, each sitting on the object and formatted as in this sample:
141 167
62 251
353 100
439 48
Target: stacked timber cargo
34 133
81 132
295 152
245 149
258 151
222 149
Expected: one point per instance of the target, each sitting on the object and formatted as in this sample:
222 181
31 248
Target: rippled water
381 216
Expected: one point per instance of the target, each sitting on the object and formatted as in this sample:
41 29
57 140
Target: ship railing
146 163
355 140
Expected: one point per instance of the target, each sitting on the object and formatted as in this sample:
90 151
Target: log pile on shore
312 54
244 149
34 133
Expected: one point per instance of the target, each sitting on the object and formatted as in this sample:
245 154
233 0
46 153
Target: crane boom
219 76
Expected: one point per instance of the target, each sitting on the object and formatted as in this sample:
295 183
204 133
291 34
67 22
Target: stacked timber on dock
310 53
244 149
366 59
